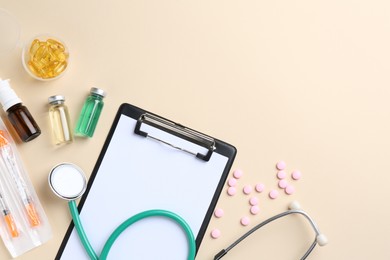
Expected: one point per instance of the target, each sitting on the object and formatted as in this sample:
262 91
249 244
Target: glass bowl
45 57
9 31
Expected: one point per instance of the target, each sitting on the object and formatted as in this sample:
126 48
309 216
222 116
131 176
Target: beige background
303 81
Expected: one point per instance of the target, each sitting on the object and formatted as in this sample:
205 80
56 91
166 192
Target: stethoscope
68 182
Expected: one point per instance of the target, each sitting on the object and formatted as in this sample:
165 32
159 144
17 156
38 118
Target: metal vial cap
56 99
98 91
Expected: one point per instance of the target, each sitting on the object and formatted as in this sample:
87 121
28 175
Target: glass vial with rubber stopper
59 119
18 114
90 113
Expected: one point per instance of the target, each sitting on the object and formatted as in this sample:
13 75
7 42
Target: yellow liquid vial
59 118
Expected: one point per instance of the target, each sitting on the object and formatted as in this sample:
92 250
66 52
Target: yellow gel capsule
56 44
40 54
37 70
34 46
60 68
61 57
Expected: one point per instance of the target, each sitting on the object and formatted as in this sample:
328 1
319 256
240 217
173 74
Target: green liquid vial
90 113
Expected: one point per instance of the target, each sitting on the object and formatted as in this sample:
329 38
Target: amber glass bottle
18 114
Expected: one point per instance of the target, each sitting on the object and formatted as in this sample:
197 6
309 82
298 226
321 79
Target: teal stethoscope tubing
146 214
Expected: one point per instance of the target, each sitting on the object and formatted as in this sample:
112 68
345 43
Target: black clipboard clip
179 131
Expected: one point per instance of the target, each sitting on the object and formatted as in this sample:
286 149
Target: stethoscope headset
68 182
294 208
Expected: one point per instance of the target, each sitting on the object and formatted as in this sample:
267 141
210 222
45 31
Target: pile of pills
253 201
281 175
48 59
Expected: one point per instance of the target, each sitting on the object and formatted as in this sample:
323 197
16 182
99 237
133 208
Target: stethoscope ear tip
322 240
294 205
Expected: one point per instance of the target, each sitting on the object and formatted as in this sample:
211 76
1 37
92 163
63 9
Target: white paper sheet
139 174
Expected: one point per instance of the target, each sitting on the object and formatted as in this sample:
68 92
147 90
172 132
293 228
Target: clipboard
149 162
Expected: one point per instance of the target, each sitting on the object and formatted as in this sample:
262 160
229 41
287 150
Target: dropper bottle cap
8 97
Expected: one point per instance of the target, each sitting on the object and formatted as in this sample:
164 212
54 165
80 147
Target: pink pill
281 175
255 210
231 191
237 173
253 201
218 213
296 175
232 182
245 221
273 194
216 233
282 184
281 165
247 189
260 187
289 189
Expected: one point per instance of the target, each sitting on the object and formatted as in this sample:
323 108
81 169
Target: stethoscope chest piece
67 181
